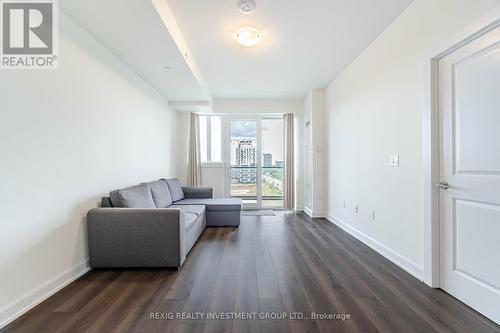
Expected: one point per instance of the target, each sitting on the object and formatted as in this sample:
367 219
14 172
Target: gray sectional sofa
155 224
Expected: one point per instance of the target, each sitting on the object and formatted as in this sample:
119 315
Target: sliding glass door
254 161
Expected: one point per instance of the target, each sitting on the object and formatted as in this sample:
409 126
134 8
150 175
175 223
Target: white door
469 97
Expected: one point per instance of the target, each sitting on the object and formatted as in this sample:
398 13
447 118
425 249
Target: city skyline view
272 136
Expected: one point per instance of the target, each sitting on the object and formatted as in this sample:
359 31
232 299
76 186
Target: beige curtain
289 179
194 164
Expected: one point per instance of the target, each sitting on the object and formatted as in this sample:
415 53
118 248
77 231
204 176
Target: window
215 139
210 139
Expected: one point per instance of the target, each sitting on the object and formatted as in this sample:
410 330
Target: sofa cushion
197 192
137 197
160 193
195 209
174 185
106 202
190 220
221 204
115 197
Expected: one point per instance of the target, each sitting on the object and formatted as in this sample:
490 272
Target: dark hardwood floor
272 264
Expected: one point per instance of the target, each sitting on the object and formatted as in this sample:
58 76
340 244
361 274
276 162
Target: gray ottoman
220 212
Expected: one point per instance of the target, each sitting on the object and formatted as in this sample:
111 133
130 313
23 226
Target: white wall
69 136
213 175
314 150
182 146
374 111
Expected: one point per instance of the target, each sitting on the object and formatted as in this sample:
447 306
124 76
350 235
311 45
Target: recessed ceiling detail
306 42
141 40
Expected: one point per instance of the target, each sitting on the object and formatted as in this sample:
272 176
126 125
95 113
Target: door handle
443 185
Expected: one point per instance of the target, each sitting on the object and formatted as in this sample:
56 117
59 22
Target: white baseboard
29 300
398 259
313 214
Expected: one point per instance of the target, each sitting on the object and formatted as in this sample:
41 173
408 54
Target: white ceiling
134 32
306 43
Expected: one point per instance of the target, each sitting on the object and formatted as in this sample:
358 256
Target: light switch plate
394 160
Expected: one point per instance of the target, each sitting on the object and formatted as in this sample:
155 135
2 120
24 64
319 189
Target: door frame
430 140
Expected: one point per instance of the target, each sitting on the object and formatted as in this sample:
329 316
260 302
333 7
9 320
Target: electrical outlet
372 215
356 209
394 160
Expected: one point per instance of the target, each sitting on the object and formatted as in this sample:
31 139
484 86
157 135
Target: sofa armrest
126 237
194 192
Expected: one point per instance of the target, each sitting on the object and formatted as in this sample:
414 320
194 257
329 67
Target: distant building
268 160
244 175
246 153
245 157
279 164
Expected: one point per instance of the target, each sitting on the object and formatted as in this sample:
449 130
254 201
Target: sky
243 130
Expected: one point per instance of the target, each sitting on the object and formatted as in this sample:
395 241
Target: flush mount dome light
246 6
248 37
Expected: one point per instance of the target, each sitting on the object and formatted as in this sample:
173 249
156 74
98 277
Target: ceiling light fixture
246 6
248 37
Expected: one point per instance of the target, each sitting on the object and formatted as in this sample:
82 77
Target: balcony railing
272 182
244 182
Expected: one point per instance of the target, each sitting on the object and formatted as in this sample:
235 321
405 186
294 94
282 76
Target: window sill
212 164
